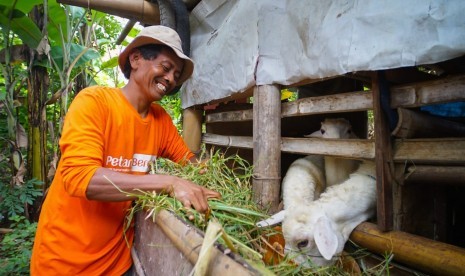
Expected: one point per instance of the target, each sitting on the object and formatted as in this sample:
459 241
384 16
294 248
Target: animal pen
397 66
344 60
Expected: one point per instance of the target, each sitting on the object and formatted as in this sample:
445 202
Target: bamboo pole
137 10
420 253
192 128
413 124
267 146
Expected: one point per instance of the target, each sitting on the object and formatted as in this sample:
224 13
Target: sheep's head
338 128
312 239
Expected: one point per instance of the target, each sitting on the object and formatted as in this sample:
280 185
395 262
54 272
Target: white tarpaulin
237 44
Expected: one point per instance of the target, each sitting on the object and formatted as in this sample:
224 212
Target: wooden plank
352 101
413 95
423 93
350 148
243 142
444 151
425 151
417 252
450 175
383 159
266 146
230 116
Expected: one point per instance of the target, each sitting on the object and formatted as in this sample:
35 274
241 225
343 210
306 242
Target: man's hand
192 195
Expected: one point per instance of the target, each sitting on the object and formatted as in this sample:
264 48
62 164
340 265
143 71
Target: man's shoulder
101 94
99 90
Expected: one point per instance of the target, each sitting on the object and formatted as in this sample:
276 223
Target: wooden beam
351 101
243 142
413 95
430 92
414 251
450 175
230 116
349 148
444 151
266 146
383 159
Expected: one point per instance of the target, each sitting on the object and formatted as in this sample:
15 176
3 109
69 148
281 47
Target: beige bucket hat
159 35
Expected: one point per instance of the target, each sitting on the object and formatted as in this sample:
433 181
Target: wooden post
267 146
383 159
192 128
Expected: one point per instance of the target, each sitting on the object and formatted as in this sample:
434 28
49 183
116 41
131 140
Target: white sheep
336 169
318 231
305 180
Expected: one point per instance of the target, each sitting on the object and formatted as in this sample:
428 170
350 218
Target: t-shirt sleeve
82 141
174 147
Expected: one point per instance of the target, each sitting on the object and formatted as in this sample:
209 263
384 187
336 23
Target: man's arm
102 187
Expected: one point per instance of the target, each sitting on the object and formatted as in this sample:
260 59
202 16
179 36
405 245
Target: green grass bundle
235 211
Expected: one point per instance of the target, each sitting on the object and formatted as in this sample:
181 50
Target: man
109 137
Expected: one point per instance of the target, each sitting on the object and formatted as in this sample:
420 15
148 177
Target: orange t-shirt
77 236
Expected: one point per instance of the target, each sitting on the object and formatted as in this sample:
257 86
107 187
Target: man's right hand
192 195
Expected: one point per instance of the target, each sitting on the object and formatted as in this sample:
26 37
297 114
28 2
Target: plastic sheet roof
237 44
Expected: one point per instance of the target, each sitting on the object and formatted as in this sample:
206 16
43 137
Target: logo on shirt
138 163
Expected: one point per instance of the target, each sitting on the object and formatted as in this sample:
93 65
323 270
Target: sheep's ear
325 238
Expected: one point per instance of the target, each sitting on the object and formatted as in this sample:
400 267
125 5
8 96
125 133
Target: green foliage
80 53
17 21
15 197
16 247
172 104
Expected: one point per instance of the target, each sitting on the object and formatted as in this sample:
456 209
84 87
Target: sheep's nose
302 244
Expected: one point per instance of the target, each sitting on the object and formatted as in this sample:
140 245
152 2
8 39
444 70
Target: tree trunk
37 96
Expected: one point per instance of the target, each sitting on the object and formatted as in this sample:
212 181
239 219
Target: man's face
158 76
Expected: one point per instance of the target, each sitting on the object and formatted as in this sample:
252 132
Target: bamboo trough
170 246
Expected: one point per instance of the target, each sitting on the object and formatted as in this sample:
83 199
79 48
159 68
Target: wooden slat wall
431 92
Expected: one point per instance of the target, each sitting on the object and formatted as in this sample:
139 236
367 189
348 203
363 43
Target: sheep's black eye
302 244
322 131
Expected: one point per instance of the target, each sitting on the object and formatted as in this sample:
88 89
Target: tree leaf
75 50
111 63
23 5
56 22
23 27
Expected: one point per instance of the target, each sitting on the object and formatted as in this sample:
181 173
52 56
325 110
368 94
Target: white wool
318 231
307 177
336 169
